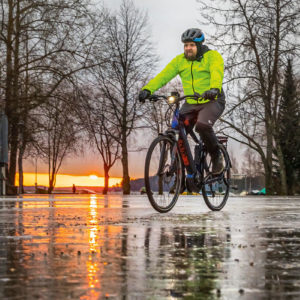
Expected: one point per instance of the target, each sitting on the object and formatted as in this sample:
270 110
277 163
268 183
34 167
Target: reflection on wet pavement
118 247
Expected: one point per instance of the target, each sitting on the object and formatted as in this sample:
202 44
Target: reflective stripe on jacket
195 76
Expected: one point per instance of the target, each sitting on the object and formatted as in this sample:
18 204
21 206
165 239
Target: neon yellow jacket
195 76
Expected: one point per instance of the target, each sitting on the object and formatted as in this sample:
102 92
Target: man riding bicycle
201 71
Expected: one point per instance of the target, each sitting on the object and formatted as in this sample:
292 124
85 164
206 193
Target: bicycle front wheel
215 191
163 174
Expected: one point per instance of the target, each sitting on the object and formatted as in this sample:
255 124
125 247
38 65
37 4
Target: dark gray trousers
203 117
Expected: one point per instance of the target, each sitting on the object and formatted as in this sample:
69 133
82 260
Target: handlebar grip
153 98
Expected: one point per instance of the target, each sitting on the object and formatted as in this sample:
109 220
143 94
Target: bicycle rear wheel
163 174
215 191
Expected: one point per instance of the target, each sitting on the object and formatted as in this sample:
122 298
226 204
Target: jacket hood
201 49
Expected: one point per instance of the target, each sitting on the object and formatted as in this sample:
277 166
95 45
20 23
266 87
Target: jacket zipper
192 77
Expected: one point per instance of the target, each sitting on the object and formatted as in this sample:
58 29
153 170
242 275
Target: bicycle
169 156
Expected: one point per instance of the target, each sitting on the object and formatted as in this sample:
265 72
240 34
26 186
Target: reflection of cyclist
201 71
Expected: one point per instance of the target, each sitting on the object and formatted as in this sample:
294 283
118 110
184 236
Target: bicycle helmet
193 35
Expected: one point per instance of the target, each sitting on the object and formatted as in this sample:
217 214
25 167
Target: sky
167 20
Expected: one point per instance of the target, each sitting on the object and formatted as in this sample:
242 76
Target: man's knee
204 126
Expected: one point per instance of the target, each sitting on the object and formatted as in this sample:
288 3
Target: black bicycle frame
187 157
183 144
185 150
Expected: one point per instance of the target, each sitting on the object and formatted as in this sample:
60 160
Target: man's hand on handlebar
211 94
143 95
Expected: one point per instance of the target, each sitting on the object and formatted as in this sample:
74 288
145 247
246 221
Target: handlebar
171 101
155 97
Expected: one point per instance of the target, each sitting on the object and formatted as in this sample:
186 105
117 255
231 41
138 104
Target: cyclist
201 71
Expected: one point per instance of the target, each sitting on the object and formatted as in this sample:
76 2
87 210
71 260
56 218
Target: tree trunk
20 165
282 169
50 188
106 179
160 185
51 183
126 178
8 96
269 153
13 89
13 155
9 64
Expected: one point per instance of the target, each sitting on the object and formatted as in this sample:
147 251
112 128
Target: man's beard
190 56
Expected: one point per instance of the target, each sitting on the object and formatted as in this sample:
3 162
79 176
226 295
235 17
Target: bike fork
162 160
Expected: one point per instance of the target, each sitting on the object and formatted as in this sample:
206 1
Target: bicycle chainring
193 184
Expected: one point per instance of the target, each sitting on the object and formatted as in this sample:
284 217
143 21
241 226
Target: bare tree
257 36
158 115
45 43
58 135
130 61
92 113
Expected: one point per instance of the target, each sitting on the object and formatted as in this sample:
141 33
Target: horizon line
66 174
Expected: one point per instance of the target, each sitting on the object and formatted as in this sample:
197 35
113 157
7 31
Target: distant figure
74 189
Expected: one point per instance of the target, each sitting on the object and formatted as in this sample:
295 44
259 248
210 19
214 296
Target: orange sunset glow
64 180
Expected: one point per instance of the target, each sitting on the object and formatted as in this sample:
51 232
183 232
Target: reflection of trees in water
282 261
116 258
29 246
11 247
41 243
189 260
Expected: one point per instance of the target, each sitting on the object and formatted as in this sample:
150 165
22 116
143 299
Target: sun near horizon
66 180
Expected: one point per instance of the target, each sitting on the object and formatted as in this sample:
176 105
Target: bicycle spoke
163 174
216 188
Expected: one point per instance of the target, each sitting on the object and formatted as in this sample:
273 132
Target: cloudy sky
167 19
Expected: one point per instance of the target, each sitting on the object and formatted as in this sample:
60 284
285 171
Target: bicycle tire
215 195
163 172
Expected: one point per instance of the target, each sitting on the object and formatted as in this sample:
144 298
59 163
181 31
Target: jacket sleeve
216 68
161 79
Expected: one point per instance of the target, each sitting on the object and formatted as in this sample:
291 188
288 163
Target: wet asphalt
118 247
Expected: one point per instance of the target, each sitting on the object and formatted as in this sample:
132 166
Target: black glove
143 95
211 94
